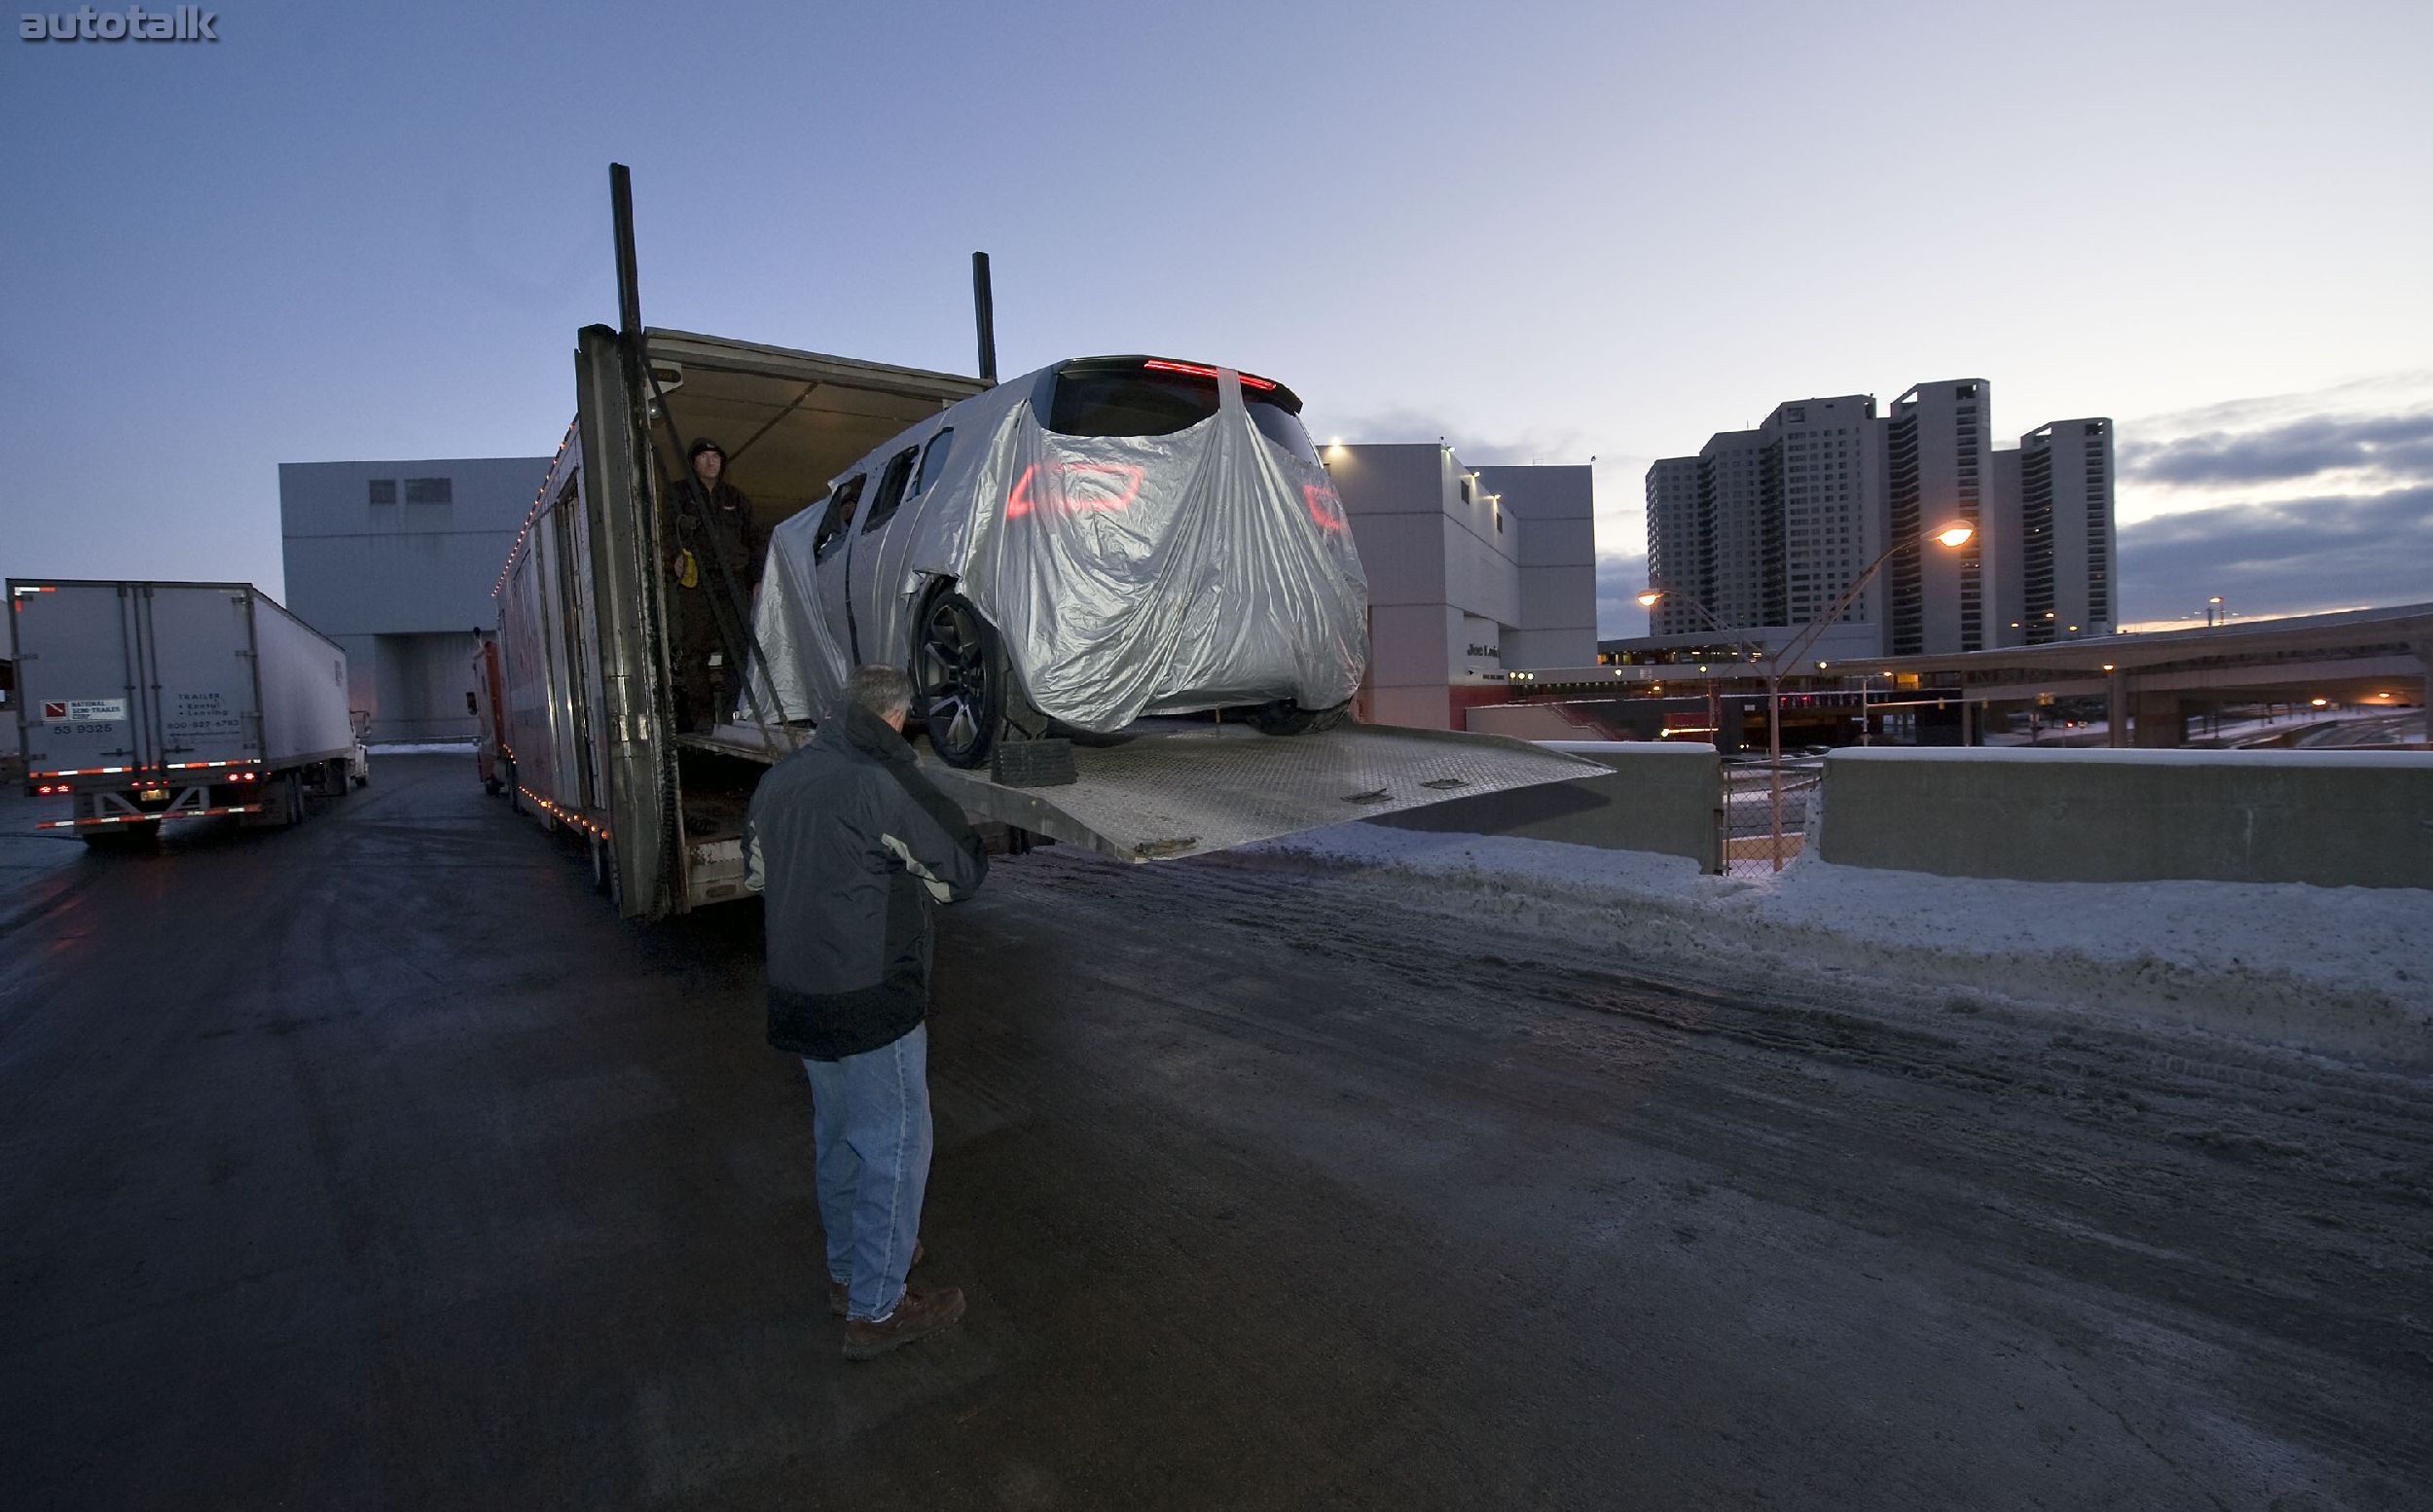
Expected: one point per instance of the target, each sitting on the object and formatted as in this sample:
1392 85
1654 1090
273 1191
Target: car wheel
958 681
1286 717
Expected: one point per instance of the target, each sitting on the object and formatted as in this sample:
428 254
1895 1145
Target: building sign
1480 653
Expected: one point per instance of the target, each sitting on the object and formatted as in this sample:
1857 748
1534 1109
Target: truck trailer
147 703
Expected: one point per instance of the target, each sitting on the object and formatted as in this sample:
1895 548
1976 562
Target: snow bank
2343 970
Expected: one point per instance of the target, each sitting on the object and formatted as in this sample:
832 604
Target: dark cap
705 443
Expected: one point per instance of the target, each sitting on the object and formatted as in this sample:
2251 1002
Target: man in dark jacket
852 848
709 607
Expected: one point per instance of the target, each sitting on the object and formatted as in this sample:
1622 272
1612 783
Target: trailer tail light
244 777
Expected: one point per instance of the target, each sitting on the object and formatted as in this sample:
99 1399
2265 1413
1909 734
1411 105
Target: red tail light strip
1198 369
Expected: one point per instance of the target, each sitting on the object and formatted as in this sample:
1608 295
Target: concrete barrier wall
2333 818
1662 797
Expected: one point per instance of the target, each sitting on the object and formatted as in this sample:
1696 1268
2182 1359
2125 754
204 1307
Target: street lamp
1954 537
2214 612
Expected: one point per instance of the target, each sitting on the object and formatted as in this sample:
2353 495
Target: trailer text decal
80 711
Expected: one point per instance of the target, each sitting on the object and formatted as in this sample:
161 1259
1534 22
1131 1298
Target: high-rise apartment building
1769 529
2065 526
1938 465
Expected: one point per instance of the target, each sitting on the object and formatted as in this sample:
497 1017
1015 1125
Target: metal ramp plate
1183 788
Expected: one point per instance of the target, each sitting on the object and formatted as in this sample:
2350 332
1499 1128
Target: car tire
1286 717
959 677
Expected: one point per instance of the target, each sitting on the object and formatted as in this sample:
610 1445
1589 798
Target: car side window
892 486
933 459
839 516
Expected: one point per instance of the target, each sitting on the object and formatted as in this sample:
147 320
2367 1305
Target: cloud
2388 447
2289 557
1620 581
2383 392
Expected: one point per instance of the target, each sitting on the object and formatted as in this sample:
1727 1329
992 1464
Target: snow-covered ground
2346 971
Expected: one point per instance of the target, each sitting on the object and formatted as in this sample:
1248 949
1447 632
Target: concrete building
1471 571
1768 528
394 561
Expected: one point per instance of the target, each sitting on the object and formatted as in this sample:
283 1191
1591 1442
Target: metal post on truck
984 313
611 375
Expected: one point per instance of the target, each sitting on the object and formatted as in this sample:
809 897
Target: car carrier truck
148 703
585 731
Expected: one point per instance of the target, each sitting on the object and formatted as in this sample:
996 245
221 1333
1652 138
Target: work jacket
728 516
852 848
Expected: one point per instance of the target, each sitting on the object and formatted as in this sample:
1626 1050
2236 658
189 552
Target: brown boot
921 1312
837 1289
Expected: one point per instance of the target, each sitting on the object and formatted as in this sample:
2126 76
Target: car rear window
1281 425
1128 401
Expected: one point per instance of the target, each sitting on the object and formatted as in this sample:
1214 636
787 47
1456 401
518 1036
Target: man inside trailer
852 848
717 553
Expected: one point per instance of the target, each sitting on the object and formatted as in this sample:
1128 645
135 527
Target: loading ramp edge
1182 788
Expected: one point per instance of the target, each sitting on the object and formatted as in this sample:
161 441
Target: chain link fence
1750 842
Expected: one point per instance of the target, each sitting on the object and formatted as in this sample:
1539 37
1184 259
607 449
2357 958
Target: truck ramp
1182 787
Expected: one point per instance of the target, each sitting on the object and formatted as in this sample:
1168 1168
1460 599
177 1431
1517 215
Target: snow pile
2344 970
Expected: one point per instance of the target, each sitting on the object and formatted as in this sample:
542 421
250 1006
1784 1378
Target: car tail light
1072 487
1325 507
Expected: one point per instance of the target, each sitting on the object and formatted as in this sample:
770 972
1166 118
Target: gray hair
884 691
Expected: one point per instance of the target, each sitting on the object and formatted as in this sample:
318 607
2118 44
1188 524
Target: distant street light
1954 536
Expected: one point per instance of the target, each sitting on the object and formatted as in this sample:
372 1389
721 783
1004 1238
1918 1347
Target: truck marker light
1068 499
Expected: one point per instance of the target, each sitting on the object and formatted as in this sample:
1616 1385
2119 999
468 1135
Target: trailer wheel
1286 717
958 681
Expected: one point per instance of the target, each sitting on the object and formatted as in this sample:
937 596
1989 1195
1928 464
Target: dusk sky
1543 232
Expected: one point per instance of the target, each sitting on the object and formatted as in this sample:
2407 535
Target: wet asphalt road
377 1165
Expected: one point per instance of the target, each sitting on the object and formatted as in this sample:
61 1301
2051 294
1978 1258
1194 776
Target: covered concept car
1104 539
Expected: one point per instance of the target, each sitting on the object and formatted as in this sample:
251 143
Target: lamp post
2215 614
1954 536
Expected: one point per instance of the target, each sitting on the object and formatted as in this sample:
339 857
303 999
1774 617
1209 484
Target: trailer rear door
77 678
202 692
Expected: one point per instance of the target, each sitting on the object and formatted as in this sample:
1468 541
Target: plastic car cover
1131 575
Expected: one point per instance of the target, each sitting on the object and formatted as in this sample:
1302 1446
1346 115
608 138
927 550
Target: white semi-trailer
144 702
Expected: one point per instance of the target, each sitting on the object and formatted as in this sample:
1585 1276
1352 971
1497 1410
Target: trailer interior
789 421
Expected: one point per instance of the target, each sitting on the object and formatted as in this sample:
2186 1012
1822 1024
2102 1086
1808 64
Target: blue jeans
870 1120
